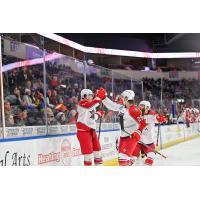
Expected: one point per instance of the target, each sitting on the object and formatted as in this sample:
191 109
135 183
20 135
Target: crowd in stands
185 89
24 94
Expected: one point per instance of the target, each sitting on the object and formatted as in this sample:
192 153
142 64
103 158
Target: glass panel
121 82
65 81
98 77
23 88
1 80
152 92
137 87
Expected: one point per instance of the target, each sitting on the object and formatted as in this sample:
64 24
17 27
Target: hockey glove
101 94
136 135
100 113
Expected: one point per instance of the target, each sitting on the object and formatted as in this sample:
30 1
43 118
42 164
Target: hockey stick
155 151
158 130
100 122
140 142
158 134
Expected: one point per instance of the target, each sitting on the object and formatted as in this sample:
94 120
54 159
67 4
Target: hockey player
86 127
132 122
195 115
147 136
196 111
187 117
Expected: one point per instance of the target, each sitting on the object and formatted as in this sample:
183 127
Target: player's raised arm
102 95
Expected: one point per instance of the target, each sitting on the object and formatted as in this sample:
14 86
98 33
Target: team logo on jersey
92 114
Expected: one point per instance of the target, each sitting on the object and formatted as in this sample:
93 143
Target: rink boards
174 134
25 146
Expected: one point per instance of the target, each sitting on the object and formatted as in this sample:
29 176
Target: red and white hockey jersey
187 116
148 133
133 119
87 113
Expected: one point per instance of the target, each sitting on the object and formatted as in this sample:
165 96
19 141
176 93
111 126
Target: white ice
183 154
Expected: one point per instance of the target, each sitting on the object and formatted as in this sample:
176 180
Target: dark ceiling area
144 36
153 42
146 42
149 42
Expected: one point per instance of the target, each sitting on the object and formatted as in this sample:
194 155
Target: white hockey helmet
196 110
129 94
187 109
86 93
147 104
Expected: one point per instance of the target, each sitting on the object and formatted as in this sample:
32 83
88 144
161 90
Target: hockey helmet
147 104
86 93
129 94
196 110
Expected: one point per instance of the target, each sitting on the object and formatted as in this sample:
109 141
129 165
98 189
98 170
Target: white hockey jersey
147 135
87 113
132 118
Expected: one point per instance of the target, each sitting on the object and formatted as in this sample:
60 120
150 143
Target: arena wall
179 75
25 146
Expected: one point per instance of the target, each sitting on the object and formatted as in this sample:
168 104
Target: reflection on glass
98 77
24 88
23 84
64 84
1 92
1 123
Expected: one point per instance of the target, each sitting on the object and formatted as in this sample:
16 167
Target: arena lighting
64 41
31 62
97 51
94 50
180 100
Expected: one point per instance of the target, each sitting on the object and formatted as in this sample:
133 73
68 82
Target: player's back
148 133
131 117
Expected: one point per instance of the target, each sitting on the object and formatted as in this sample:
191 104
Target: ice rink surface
183 154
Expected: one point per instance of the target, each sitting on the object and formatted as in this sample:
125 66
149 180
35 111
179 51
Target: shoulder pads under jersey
134 111
151 112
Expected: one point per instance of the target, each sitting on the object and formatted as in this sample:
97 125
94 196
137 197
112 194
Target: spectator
54 82
15 98
61 118
33 99
22 118
54 99
27 99
49 100
9 118
28 85
7 107
39 100
50 117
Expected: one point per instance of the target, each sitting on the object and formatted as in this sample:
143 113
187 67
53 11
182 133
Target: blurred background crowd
24 94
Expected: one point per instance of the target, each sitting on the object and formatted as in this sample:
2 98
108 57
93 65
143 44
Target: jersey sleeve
136 114
112 105
89 104
155 117
160 119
